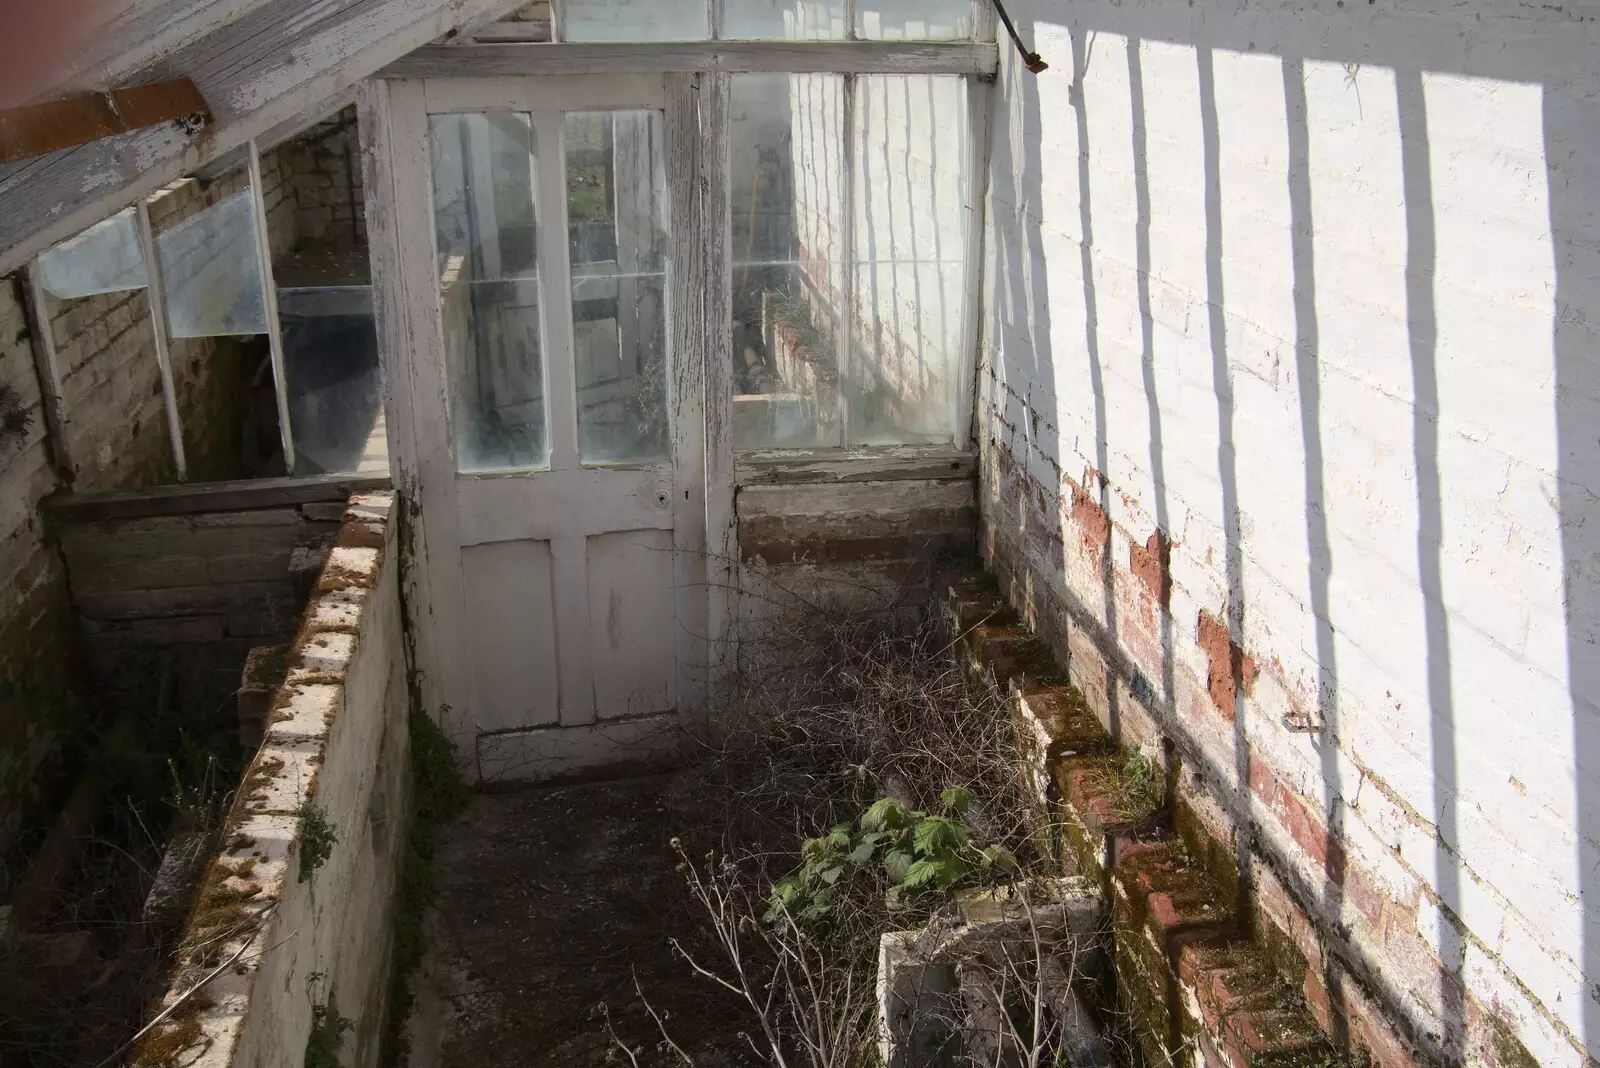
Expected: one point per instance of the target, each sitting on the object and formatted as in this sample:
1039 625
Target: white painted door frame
448 511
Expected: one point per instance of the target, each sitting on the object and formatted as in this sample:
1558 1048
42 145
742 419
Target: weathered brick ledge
261 913
1191 982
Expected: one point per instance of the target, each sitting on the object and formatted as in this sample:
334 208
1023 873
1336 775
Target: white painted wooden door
556 442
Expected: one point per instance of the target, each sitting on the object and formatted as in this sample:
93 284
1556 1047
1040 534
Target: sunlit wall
1309 294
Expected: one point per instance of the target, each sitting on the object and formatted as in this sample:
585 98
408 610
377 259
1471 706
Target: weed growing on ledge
1137 789
906 787
316 836
327 1030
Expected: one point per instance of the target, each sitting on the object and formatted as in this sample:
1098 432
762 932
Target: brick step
1238 1011
1102 806
1192 990
1160 905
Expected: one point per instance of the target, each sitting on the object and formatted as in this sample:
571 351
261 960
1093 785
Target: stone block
264 670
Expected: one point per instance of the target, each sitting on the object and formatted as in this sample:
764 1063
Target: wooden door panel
511 640
631 622
564 504
556 596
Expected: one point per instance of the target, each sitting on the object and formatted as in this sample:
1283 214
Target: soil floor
553 902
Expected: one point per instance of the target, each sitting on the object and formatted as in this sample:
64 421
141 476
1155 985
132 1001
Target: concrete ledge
293 917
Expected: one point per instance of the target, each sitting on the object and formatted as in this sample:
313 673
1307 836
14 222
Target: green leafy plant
316 836
915 853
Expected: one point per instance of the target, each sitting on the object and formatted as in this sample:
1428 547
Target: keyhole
661 499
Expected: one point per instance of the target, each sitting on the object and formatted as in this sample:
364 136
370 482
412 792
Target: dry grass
826 715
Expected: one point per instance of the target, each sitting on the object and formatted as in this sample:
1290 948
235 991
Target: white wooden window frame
46 362
983 22
713 62
696 80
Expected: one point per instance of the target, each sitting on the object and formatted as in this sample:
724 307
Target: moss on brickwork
1509 1051
1218 858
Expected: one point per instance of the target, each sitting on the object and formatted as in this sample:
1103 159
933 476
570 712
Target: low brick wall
1194 984
291 929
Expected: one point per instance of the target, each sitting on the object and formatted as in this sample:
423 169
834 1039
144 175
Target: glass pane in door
484 187
617 247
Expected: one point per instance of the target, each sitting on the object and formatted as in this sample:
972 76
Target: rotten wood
269 302
510 33
207 497
34 129
407 304
721 526
155 295
877 464
687 392
979 97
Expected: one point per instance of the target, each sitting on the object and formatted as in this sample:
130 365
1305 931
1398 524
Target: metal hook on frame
1031 60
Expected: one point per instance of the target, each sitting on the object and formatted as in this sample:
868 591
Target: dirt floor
551 903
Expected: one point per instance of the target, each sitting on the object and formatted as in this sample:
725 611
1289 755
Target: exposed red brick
1371 1032
1139 639
1151 564
1231 670
1262 1037
1310 834
1091 520
1062 715
1367 899
1015 656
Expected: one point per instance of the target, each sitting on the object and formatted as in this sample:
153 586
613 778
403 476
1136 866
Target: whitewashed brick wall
1360 243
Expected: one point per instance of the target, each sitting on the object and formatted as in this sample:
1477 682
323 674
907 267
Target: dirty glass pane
103 259
330 353
786 149
211 271
330 358
783 20
910 220
617 246
485 226
913 20
636 20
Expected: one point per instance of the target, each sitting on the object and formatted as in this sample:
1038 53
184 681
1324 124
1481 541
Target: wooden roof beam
34 129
